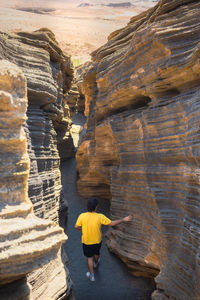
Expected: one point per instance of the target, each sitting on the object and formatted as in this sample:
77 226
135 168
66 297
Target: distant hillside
85 5
121 4
37 10
79 3
113 4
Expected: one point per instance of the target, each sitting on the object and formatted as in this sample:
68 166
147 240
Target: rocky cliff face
141 149
26 242
48 73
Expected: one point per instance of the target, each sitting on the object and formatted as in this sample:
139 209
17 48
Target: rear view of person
90 222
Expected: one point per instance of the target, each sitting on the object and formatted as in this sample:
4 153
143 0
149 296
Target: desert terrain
80 26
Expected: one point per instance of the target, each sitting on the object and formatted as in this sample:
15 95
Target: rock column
26 242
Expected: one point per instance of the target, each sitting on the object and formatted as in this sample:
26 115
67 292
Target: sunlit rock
49 74
141 149
26 241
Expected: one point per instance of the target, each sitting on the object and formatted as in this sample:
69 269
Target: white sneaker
90 276
95 264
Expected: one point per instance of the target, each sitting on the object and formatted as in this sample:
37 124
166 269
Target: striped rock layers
141 149
49 74
26 241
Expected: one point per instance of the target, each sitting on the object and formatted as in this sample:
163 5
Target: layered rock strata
49 74
26 241
141 149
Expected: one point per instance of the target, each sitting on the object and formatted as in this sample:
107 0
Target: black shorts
90 250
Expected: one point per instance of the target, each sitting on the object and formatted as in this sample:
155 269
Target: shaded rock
79 77
53 286
141 149
49 74
72 99
79 71
18 289
26 242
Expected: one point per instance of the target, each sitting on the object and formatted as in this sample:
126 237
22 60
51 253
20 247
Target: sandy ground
79 30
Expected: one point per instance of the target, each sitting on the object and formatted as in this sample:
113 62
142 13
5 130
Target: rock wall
26 241
141 149
49 74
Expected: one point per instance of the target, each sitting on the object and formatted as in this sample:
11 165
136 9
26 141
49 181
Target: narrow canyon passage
113 281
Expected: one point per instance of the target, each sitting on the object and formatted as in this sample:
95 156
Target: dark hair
92 204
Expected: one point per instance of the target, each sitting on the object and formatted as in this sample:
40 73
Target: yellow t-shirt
91 227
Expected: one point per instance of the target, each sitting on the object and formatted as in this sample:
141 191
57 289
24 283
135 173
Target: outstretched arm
78 227
124 220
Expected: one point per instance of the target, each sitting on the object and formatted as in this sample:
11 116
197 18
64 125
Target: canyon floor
79 30
113 281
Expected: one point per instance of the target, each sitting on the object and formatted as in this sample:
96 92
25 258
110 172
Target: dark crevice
141 102
169 93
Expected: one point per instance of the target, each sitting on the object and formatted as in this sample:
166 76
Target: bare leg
90 264
96 257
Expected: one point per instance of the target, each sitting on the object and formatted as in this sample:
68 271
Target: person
90 222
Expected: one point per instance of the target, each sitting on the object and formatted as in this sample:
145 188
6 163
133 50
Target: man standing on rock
91 222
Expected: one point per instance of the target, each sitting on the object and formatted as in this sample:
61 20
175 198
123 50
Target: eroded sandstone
26 241
48 72
141 149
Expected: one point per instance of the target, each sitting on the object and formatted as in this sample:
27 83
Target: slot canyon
122 127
